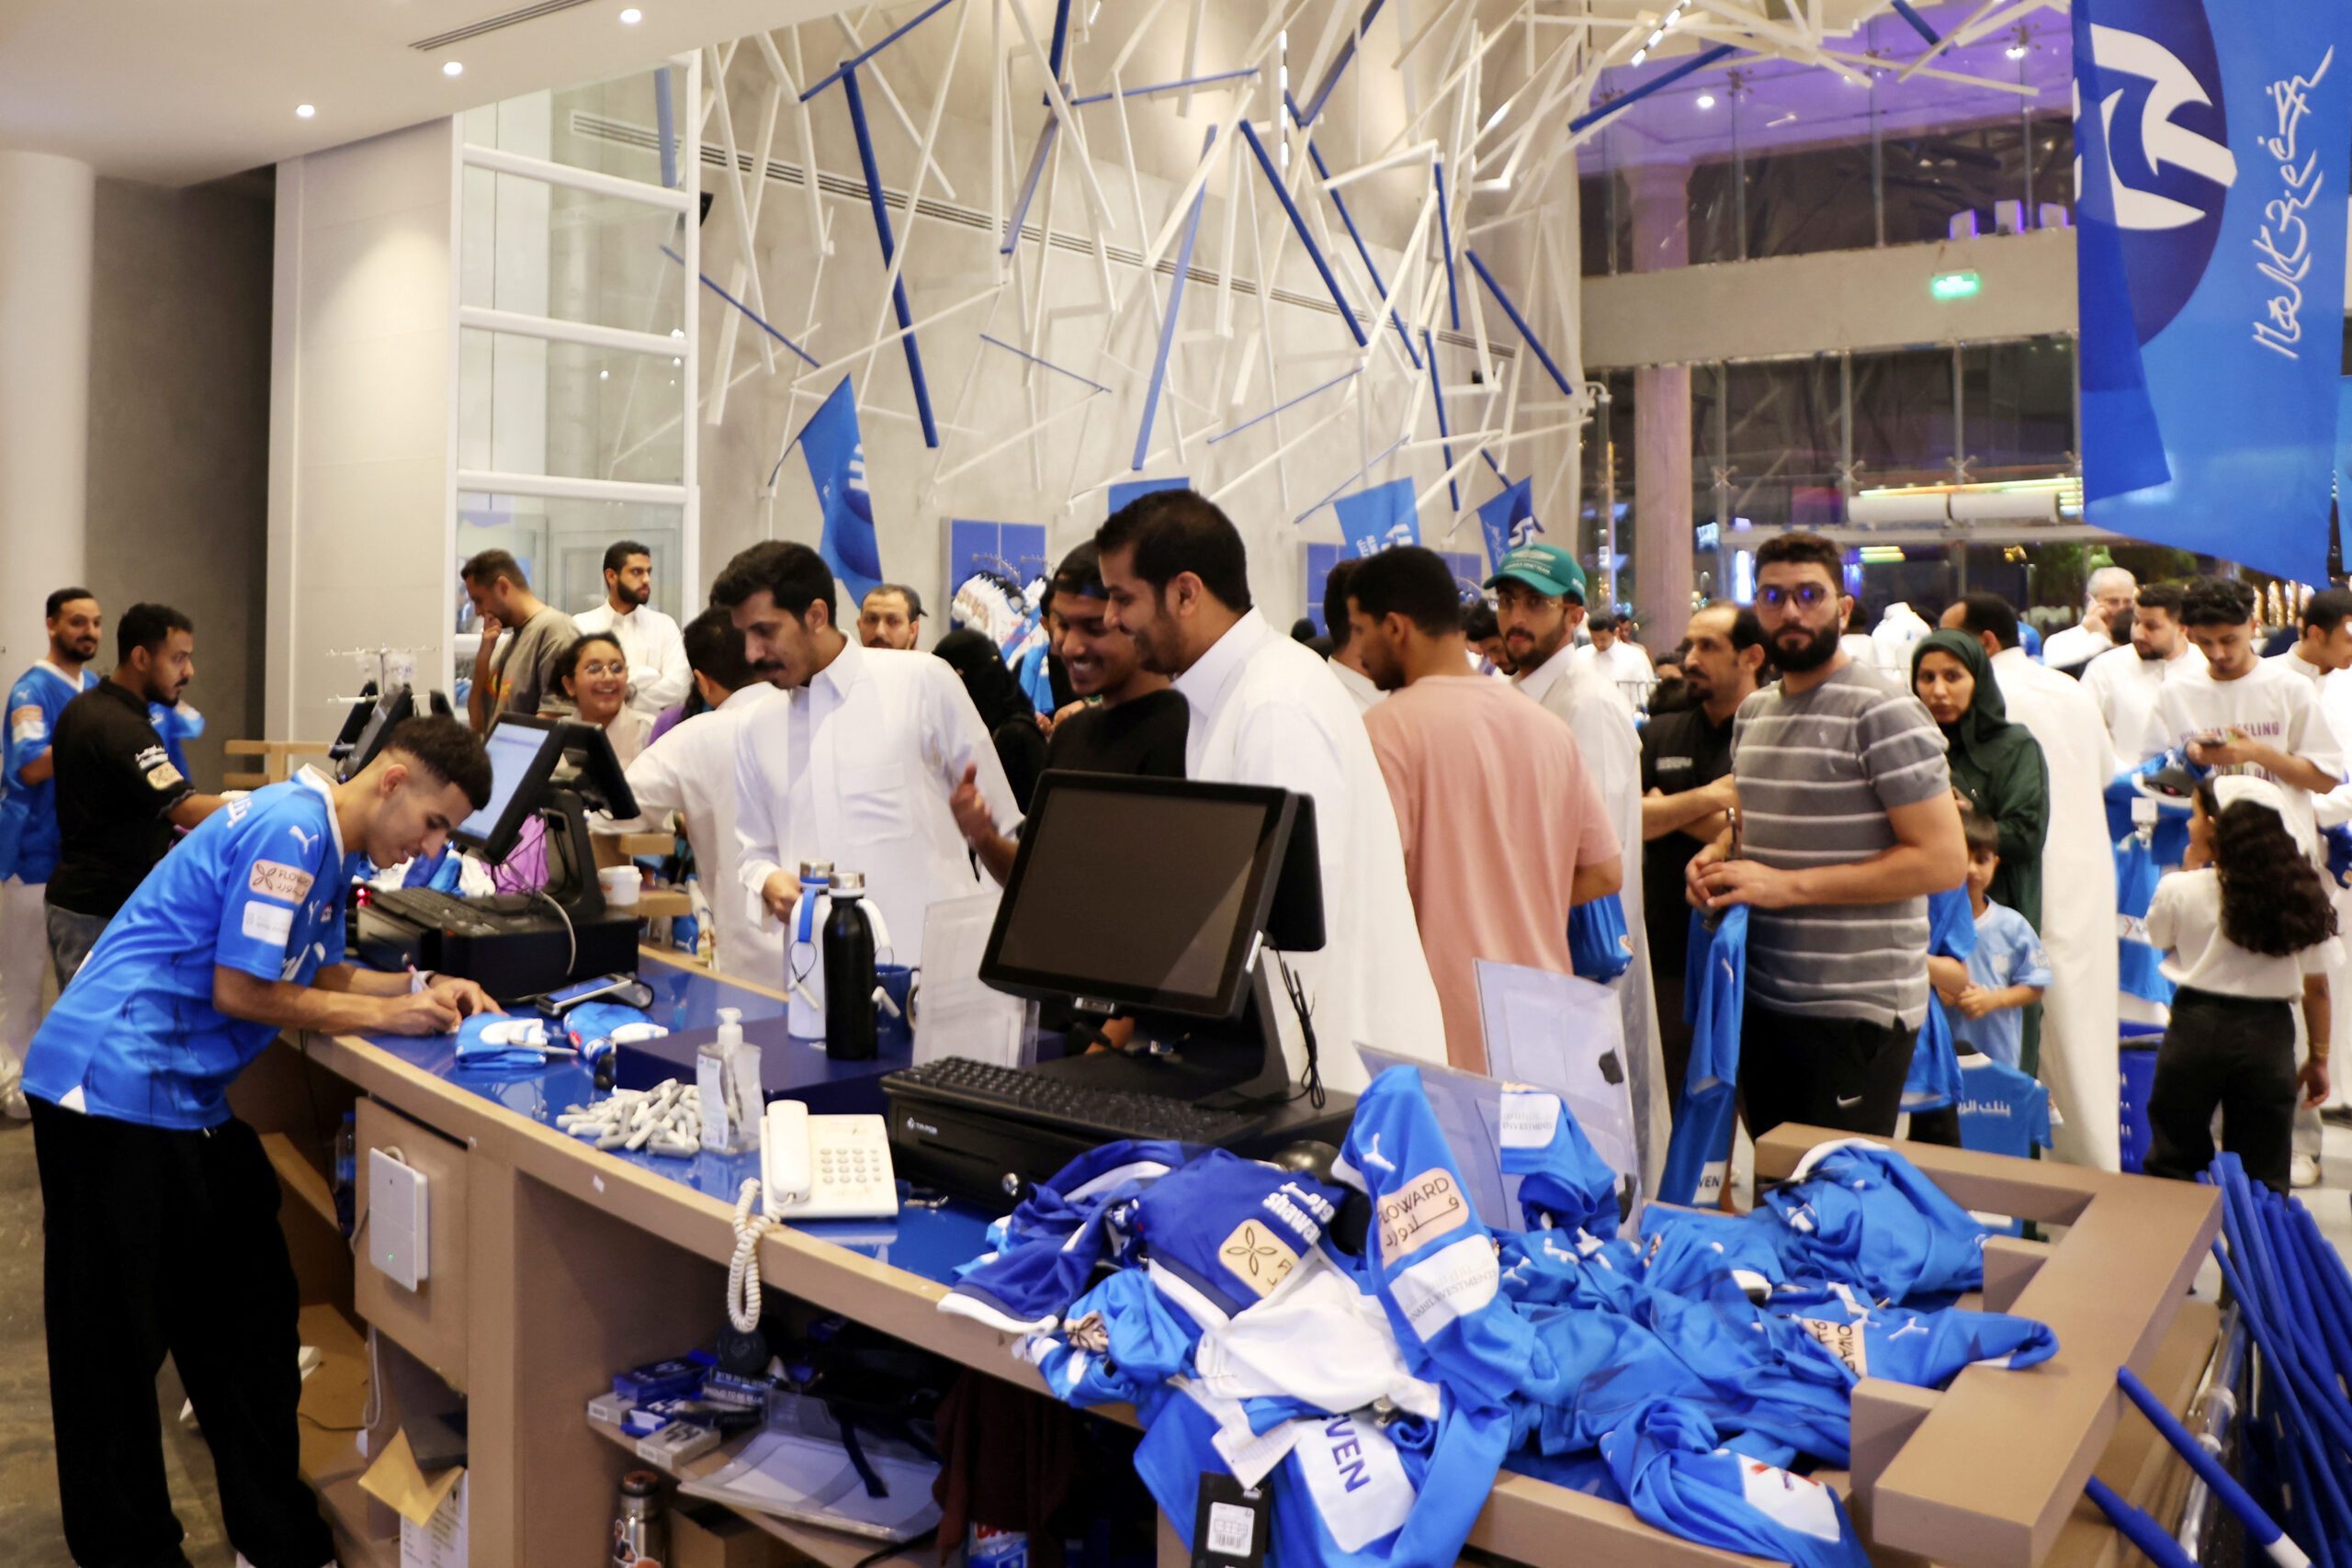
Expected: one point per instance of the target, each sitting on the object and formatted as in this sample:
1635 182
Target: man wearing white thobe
650 640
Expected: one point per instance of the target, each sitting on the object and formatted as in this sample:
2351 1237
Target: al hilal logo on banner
835 454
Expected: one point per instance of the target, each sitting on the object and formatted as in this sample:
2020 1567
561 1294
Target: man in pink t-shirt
1503 828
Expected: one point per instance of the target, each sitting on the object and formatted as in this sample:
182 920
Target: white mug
622 885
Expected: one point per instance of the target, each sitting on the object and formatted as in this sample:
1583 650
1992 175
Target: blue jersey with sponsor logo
257 887
1934 1079
1714 987
28 814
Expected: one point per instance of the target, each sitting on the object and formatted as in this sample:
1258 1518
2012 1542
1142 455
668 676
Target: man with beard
856 767
1130 722
29 824
119 799
2108 610
1682 754
890 615
1846 825
655 648
1264 710
1539 603
2126 681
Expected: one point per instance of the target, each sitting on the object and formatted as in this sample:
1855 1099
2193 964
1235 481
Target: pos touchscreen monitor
524 752
1152 895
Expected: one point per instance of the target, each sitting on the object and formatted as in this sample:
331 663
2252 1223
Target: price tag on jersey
1231 1522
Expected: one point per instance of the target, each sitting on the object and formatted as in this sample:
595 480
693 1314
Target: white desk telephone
819 1168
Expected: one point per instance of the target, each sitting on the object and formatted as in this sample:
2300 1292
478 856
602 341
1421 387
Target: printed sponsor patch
1419 1212
266 922
163 776
27 723
1359 1485
1257 1255
287 884
1843 1341
1530 1117
1452 1283
1805 1506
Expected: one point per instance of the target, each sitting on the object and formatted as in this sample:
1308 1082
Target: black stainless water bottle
849 972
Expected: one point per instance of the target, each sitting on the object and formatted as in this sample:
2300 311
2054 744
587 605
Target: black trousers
1830 1072
2237 1055
161 1242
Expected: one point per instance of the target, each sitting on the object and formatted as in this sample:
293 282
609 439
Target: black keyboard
1099 1115
445 912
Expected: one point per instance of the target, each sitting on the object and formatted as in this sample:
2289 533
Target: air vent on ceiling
492 24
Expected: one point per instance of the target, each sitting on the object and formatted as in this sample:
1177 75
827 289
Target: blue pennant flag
1380 518
836 458
1509 521
1130 489
2214 140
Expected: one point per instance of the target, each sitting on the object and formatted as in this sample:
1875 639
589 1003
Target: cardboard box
708 1536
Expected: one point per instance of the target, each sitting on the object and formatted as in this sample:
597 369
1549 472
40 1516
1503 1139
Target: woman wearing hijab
1996 765
1004 708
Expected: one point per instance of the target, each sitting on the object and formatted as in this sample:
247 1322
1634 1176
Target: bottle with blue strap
803 970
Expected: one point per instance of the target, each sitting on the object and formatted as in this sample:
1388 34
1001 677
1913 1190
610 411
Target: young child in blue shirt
2008 971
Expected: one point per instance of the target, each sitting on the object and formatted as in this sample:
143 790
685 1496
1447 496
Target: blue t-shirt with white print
257 887
28 814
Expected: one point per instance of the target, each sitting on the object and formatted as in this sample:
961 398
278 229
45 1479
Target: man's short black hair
1080 574
1802 549
1411 582
714 647
1747 631
2165 596
490 565
793 575
1981 613
64 596
1174 531
1979 832
913 599
1335 602
2327 608
617 554
147 626
1478 621
2217 602
1603 621
447 749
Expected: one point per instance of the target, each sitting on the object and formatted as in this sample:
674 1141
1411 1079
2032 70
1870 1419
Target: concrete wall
179 429
1840 299
361 433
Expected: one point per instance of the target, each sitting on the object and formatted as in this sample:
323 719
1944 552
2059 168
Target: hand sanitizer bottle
730 1117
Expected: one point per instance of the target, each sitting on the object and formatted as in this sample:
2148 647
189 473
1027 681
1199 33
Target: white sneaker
2302 1171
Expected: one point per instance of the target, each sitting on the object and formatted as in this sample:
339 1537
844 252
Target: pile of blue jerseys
1683 1371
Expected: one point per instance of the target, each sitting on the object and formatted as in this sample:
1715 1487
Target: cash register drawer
429 1323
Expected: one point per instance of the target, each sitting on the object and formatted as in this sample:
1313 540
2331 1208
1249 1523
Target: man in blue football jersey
28 823
161 1230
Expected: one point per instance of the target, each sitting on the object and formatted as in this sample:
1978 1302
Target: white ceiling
178 91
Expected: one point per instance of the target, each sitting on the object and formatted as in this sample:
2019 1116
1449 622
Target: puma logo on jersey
308 841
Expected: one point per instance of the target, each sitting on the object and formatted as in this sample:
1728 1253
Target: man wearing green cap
1539 592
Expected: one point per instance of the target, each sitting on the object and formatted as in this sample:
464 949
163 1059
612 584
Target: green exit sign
1955 285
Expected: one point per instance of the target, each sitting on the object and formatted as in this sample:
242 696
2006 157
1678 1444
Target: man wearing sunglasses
1846 825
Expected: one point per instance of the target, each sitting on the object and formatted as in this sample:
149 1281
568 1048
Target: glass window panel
1783 442
1903 418
2019 406
544 250
560 545
532 407
610 127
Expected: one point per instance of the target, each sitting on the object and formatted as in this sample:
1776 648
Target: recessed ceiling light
453 68
604 375
1706 100
304 111
631 16
2015 51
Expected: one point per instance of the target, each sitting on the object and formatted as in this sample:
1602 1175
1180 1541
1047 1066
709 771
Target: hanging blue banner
836 457
1380 518
2343 470
2213 139
1509 521
1130 489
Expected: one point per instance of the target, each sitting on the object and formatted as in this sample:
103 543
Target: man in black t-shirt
1682 753
119 799
1133 722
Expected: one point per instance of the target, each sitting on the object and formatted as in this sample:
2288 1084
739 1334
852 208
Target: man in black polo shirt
1682 753
1133 722
119 799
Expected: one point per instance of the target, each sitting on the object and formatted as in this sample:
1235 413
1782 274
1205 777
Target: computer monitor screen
522 752
353 721
390 710
1147 894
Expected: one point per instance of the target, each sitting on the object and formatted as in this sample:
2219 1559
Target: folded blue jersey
1053 1241
1684 1250
1426 1255
1698 1154
1860 1213
1934 1080
1926 1349
1600 949
1219 1233
1668 1463
1564 1184
1120 1344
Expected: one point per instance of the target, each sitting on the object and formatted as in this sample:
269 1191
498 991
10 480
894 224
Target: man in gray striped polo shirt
1846 825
